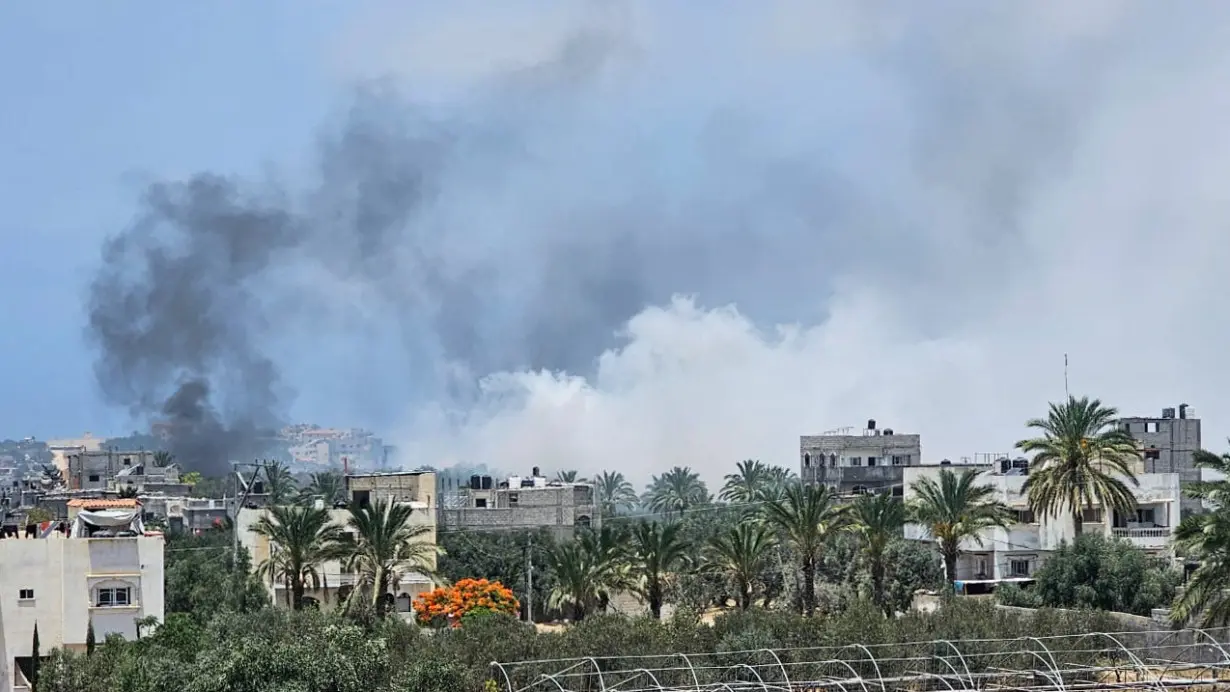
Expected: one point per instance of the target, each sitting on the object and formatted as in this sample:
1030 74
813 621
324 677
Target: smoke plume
632 236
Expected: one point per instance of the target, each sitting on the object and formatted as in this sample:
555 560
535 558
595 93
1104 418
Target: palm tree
779 478
1083 458
746 485
741 552
658 550
329 486
615 493
1206 536
610 552
956 509
163 459
676 490
808 515
878 519
301 540
279 483
386 545
127 492
568 476
577 575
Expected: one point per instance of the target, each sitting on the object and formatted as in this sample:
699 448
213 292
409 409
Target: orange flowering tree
446 605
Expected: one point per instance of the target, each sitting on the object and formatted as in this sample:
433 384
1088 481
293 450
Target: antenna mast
1066 395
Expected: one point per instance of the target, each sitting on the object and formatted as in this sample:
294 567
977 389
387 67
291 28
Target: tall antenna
1066 395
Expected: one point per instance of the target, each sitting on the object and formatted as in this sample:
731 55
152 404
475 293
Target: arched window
404 603
114 593
583 520
806 461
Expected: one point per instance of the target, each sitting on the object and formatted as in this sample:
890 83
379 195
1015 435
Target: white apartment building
107 571
1016 552
336 582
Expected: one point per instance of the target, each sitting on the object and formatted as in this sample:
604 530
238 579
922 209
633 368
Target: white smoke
1002 184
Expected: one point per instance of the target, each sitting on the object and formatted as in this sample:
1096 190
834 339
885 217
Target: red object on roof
103 503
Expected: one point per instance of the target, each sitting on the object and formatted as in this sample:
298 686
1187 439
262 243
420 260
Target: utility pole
529 578
1066 395
246 487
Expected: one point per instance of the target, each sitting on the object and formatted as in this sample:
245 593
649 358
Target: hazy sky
659 234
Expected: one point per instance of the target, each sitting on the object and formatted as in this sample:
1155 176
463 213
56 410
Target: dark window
871 461
856 461
113 597
512 499
896 460
94 478
25 594
898 491
362 498
480 502
1153 454
806 460
1019 568
1024 516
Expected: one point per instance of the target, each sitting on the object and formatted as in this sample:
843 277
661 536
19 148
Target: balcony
1148 538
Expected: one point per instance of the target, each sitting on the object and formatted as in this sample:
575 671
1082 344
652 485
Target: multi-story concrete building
107 572
521 502
1168 445
1018 551
337 583
109 470
849 461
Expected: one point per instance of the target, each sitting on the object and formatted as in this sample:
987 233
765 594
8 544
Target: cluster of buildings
89 559
344 448
874 459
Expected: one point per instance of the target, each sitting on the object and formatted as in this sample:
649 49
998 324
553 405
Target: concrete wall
561 507
398 487
1175 440
65 574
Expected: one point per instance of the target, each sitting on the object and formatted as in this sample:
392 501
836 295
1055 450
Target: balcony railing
1155 532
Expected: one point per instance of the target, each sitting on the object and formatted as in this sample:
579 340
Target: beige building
850 461
107 572
1016 552
337 583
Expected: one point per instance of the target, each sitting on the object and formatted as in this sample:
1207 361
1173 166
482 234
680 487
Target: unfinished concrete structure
530 502
852 462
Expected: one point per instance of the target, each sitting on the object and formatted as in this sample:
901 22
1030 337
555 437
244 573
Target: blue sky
100 98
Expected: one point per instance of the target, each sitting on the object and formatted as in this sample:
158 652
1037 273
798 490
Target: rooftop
104 503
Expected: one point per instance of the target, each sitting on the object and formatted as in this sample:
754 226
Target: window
94 478
896 460
806 461
898 491
1091 516
110 597
1152 427
1019 568
859 490
1024 516
982 568
1127 427
512 499
26 594
1153 454
856 461
480 502
1146 516
871 461
833 460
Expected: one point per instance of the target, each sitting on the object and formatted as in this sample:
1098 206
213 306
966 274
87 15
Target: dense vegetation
766 563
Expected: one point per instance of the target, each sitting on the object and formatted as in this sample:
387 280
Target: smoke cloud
629 236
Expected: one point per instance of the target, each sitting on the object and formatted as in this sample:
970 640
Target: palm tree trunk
1078 523
655 599
877 582
745 594
578 610
809 585
950 565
